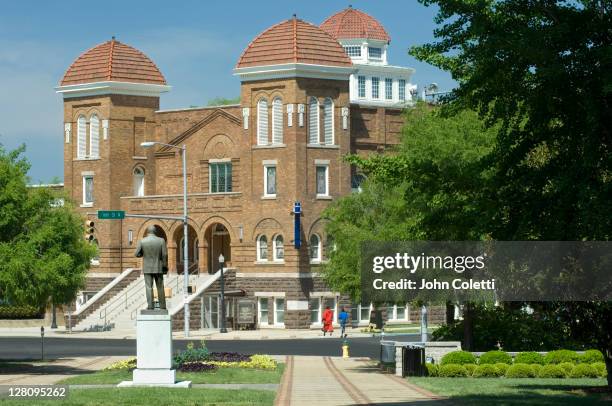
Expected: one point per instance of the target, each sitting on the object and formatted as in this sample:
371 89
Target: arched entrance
219 242
160 232
192 258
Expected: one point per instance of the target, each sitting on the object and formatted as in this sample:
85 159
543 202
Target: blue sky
195 44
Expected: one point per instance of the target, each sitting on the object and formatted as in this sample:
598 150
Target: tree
543 70
43 254
223 101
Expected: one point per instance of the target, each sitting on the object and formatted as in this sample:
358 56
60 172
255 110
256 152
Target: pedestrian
343 319
328 319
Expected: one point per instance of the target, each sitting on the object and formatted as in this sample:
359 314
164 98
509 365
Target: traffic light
89 230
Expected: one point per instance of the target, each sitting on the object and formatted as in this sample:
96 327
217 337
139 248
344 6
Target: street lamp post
183 149
221 261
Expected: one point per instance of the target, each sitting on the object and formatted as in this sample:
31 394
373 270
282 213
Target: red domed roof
293 41
113 61
352 24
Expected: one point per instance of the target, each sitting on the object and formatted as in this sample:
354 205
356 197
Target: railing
178 282
192 268
121 301
199 291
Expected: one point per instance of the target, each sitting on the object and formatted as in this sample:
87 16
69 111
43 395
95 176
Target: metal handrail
179 285
118 300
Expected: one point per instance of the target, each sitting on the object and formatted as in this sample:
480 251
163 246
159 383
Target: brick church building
309 95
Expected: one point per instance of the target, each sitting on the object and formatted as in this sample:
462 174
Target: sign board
246 311
111 214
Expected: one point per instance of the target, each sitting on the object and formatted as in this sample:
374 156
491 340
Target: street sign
111 214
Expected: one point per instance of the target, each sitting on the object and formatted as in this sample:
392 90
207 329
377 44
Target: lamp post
183 148
221 261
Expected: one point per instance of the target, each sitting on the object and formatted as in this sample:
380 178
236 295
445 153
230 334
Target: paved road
29 347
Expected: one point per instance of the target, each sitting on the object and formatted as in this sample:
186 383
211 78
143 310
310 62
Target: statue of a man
155 264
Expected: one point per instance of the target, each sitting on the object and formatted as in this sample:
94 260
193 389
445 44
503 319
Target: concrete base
131 384
153 376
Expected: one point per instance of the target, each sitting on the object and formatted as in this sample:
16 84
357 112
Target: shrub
536 369
520 371
256 362
495 357
552 371
502 368
197 367
567 367
192 354
470 368
559 356
486 371
452 371
228 357
584 371
458 357
591 356
530 357
600 367
20 312
432 369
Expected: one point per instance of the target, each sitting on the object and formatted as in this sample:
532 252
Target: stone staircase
119 312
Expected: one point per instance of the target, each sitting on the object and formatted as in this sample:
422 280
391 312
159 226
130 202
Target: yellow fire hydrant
345 349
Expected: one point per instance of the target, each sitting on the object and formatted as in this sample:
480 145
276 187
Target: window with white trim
279 310
314 303
328 121
375 87
81 137
315 248
322 180
353 50
388 89
396 312
278 248
94 136
139 181
88 195
360 313
402 89
263 310
361 87
262 122
375 53
277 121
220 177
269 180
313 120
262 248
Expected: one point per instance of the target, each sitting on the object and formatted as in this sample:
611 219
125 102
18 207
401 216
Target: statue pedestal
154 351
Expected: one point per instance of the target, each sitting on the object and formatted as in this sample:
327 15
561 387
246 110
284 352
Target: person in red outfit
328 319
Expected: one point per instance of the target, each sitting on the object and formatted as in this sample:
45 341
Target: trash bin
413 360
387 352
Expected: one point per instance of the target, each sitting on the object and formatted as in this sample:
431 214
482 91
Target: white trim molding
111 87
292 70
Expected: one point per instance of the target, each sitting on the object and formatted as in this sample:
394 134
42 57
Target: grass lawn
221 375
524 392
155 396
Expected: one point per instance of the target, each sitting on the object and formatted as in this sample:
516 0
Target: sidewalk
327 381
196 335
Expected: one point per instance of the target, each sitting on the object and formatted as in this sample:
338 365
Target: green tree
43 255
223 101
543 69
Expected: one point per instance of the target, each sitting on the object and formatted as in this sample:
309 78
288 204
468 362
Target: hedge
452 371
495 357
486 371
529 357
20 312
584 371
520 371
536 368
470 368
432 369
591 356
600 367
559 356
552 371
458 357
566 366
502 368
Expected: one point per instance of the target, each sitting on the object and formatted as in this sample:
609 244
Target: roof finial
113 38
294 16
350 6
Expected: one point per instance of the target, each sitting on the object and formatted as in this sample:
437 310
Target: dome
294 41
351 23
113 61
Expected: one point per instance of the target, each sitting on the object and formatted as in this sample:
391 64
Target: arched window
328 121
279 248
277 121
94 136
262 122
315 248
139 181
313 121
81 137
262 248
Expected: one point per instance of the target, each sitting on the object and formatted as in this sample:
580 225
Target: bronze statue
155 265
